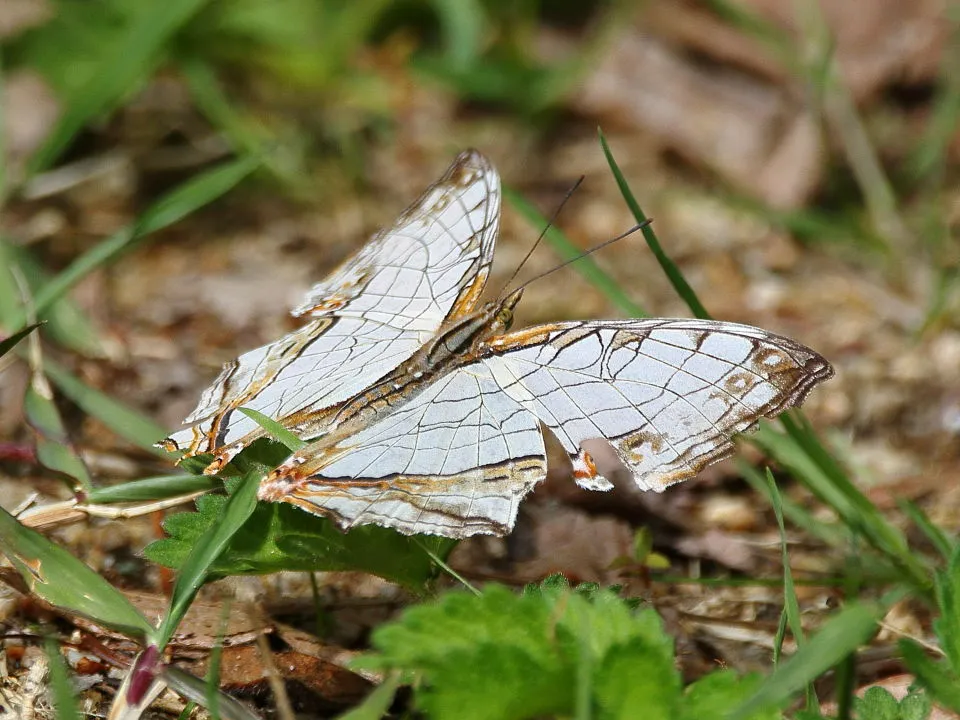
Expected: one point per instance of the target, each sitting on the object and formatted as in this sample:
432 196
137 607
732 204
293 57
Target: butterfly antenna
543 233
590 251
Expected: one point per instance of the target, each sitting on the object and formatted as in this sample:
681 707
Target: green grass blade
932 151
567 250
791 606
195 690
670 268
175 205
64 698
195 193
277 431
827 532
66 324
937 537
55 450
800 452
62 580
195 569
839 637
154 488
377 703
8 343
124 421
799 449
462 23
124 64
861 514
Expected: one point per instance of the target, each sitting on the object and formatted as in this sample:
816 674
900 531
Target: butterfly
423 412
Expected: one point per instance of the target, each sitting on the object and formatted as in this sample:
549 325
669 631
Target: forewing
369 316
667 394
455 460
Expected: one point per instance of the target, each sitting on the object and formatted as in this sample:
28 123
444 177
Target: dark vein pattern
367 317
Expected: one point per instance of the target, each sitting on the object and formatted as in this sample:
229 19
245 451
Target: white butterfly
424 414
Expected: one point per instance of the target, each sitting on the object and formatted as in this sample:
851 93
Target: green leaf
841 635
194 194
801 452
937 537
942 684
282 537
196 569
717 694
634 681
877 704
500 655
62 580
462 22
916 705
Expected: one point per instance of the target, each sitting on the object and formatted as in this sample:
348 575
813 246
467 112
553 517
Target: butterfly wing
667 394
367 317
457 459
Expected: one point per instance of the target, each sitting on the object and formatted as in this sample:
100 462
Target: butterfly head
503 317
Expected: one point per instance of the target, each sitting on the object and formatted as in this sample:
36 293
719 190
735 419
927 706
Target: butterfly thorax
455 343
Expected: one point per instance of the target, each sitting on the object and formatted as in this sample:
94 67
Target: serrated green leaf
634 682
718 693
281 537
877 704
942 684
62 580
501 655
916 706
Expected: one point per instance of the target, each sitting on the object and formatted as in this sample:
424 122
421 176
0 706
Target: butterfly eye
505 317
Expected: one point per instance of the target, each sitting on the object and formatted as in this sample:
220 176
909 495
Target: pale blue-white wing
668 395
455 460
367 317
